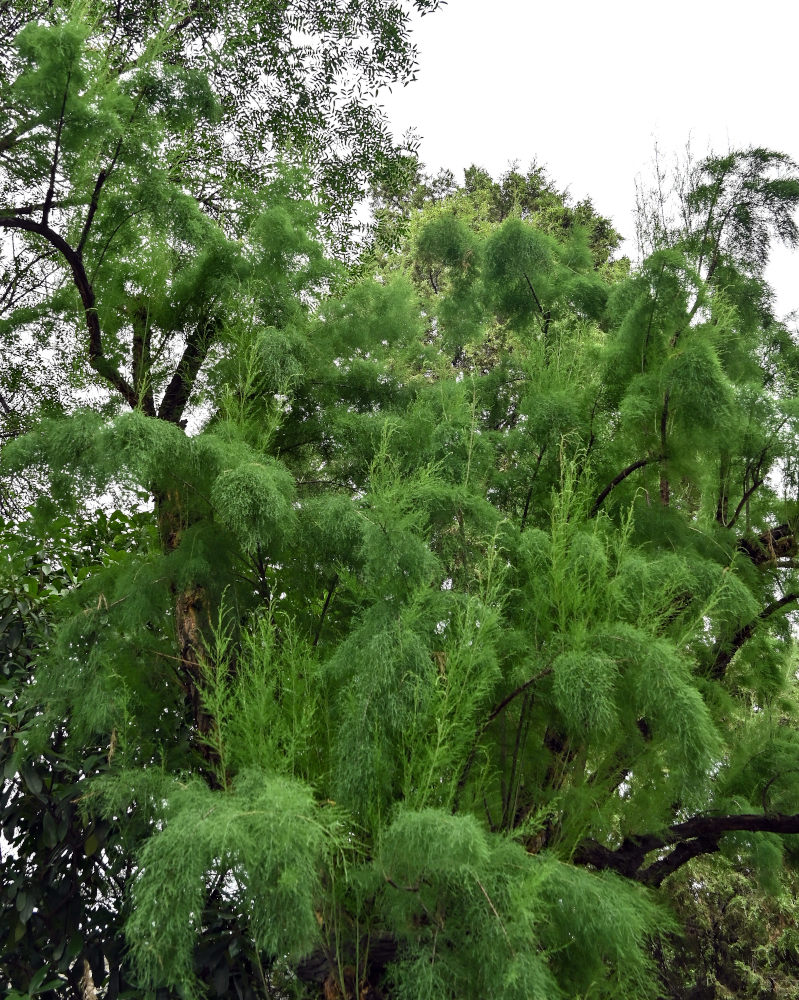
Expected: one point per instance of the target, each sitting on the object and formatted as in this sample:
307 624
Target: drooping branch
683 841
724 652
97 360
628 471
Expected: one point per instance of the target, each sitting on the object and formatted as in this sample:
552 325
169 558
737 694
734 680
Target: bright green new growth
254 502
265 840
445 625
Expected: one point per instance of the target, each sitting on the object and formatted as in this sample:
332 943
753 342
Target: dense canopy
412 628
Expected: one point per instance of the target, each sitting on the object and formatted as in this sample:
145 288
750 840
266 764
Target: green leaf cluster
450 594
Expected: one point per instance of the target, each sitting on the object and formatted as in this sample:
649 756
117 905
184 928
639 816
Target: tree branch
744 499
102 177
20 271
620 479
724 652
174 32
97 360
664 422
328 598
142 380
777 542
490 718
532 486
38 207
546 316
48 198
182 383
10 139
700 835
651 316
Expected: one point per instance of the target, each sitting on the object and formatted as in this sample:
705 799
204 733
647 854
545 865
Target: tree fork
700 835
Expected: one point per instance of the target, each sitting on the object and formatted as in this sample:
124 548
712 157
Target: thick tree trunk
191 617
190 612
665 492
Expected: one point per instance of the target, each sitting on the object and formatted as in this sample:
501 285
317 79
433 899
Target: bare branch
97 359
700 835
628 471
724 652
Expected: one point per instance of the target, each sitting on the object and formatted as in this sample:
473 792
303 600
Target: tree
446 622
136 166
481 202
739 934
145 130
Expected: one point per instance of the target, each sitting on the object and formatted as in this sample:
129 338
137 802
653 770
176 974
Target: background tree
482 202
738 935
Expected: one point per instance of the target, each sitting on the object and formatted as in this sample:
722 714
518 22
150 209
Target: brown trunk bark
664 480
190 610
191 617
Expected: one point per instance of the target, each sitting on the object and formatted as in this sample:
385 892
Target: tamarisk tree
446 617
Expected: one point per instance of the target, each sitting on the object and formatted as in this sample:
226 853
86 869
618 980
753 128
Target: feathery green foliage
445 623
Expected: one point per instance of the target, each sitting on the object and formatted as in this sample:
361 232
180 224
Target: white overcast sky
586 88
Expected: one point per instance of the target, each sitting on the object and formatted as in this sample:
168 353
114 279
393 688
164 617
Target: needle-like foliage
444 625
